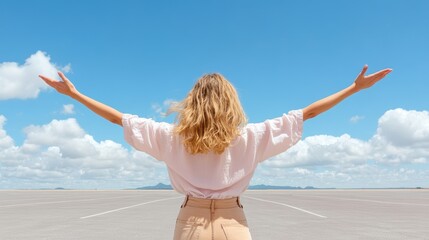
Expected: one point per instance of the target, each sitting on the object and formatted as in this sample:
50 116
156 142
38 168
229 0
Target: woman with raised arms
211 152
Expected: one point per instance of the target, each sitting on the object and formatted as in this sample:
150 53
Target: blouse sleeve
145 134
276 135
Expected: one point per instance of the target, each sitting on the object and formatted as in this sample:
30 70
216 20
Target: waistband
212 203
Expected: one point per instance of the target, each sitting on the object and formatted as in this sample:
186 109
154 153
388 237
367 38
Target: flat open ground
283 214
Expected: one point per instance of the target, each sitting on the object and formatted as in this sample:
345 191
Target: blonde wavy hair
210 117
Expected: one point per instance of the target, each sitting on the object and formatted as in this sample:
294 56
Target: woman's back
214 175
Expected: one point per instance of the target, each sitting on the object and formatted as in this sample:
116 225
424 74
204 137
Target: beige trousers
211 219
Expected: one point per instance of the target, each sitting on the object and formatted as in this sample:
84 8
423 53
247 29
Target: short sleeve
145 134
275 136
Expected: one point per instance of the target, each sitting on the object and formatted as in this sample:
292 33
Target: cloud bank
21 81
397 152
61 153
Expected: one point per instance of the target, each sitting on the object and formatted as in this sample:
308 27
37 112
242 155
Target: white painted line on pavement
287 205
123 208
373 201
53 202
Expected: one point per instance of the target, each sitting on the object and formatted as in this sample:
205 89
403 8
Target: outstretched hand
363 81
65 86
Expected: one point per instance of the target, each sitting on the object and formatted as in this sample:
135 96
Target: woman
211 153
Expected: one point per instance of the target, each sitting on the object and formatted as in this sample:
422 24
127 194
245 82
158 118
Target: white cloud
61 153
5 141
323 150
302 171
402 137
362 176
66 68
68 109
161 109
401 128
356 119
22 81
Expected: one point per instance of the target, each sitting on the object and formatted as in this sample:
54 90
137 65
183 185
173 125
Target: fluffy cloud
5 141
402 137
68 109
356 119
323 150
21 81
404 128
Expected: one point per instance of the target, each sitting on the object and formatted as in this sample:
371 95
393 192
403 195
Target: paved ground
291 214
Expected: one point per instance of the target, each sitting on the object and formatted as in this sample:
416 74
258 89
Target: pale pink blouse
213 175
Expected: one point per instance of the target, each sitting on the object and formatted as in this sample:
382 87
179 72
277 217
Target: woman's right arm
66 87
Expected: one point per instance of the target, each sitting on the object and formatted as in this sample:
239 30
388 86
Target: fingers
51 82
386 71
362 73
63 77
47 80
381 73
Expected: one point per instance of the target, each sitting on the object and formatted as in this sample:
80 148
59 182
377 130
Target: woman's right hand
64 87
362 81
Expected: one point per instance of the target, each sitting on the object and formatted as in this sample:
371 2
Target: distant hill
161 186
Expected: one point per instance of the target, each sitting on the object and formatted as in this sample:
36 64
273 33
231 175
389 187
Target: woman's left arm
66 87
360 83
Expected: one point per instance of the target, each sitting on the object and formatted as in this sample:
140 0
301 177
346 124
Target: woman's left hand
64 87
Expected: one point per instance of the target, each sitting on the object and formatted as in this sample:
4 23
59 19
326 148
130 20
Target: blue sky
280 55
